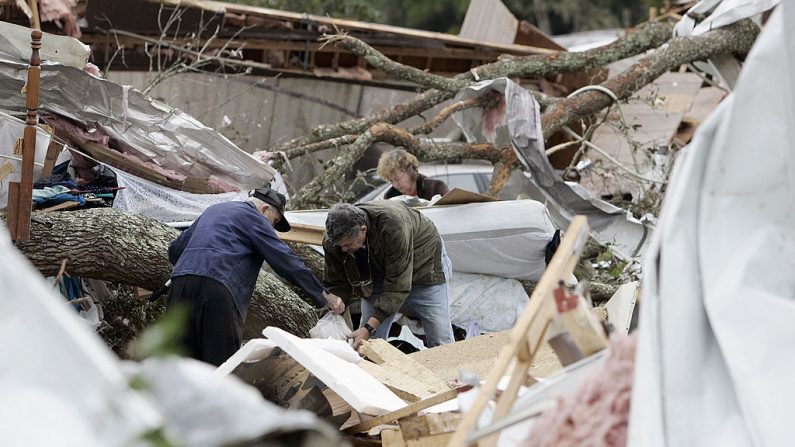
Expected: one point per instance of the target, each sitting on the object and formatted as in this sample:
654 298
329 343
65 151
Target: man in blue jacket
216 264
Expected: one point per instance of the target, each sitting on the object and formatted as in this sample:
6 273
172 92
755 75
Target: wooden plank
403 385
306 234
458 196
392 359
580 322
441 440
416 427
392 438
61 206
53 150
405 411
12 209
379 351
558 268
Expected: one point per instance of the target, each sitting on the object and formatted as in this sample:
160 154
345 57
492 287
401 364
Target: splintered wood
403 375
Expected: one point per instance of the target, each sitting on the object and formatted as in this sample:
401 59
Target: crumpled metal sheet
15 42
517 121
149 129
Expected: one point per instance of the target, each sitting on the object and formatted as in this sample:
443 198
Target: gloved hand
160 291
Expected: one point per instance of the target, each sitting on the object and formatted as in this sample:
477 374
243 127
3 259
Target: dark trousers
214 327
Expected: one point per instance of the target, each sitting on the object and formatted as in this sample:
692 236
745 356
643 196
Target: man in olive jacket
394 258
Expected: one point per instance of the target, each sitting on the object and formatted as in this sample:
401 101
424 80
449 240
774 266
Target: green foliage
347 9
162 338
446 16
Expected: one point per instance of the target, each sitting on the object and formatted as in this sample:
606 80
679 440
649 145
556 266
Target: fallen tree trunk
114 246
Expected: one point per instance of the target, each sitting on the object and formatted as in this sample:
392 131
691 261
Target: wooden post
36 19
25 204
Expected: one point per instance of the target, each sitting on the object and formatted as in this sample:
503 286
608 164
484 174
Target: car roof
445 169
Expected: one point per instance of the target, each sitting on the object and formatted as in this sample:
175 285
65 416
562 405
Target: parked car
469 177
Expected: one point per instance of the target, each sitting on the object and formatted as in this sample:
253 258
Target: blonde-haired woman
400 168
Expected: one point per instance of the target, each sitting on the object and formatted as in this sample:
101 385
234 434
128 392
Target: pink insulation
596 415
63 11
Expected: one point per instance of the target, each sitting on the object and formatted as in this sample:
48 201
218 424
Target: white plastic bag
330 326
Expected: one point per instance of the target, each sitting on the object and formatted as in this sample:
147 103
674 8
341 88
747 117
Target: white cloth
716 352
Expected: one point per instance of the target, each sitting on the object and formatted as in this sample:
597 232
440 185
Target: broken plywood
391 358
403 385
361 390
421 426
477 355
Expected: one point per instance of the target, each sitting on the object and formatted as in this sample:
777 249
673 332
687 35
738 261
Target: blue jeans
429 303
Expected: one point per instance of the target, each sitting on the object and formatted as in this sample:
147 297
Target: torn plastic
331 326
715 353
482 303
517 121
718 13
61 385
149 129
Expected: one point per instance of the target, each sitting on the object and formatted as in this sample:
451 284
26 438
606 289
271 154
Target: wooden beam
305 234
12 210
53 150
408 410
416 427
403 385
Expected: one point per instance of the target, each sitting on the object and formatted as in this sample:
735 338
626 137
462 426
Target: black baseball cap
277 200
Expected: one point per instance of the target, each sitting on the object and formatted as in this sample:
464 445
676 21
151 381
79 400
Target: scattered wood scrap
403 375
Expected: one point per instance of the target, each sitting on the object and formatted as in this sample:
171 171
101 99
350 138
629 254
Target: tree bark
111 245
736 38
654 35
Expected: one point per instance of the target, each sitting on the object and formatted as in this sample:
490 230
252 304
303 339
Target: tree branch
532 66
397 70
735 38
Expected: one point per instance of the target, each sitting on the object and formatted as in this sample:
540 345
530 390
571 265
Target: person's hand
358 336
334 303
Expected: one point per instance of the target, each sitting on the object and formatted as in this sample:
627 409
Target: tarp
716 351
149 129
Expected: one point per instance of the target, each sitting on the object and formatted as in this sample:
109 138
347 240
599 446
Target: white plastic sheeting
716 351
169 205
505 238
492 303
161 203
55 369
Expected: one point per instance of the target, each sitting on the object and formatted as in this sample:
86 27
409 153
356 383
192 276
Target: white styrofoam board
358 388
